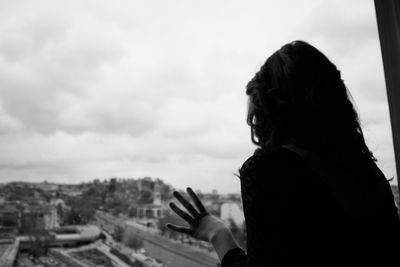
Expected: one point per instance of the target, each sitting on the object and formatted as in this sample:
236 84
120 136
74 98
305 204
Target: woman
312 193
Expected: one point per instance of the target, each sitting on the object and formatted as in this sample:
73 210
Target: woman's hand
203 225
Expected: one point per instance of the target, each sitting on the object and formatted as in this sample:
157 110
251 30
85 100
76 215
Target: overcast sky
100 89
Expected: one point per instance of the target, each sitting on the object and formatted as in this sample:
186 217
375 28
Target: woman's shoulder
270 159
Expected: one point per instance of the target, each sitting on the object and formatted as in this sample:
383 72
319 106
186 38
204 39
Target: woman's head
298 97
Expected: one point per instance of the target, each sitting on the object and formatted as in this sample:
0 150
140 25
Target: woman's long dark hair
298 97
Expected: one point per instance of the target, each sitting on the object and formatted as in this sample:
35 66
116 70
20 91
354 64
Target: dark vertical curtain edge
388 19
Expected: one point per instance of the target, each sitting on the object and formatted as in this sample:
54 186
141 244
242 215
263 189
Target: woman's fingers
187 205
198 212
180 229
197 201
182 214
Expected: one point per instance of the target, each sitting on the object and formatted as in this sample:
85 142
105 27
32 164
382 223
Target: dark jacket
292 219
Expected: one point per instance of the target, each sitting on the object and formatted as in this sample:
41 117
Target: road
169 252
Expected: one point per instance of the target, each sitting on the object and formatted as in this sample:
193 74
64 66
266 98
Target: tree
71 217
31 222
86 211
60 212
118 203
171 218
38 244
165 190
9 220
112 186
81 212
134 242
103 195
118 233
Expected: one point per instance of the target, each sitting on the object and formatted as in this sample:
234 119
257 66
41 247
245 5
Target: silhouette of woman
312 193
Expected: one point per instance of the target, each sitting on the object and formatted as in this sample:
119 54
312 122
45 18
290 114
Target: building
232 211
71 190
51 218
155 209
32 218
10 221
146 184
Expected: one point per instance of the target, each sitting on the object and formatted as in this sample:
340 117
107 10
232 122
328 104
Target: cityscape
93 91
111 223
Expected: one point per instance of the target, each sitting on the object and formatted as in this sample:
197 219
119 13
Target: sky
100 89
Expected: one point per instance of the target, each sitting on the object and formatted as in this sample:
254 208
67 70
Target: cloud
46 66
93 89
